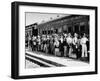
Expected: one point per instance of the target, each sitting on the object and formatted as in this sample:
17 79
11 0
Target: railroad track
41 61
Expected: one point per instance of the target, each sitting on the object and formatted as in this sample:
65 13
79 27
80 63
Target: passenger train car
68 24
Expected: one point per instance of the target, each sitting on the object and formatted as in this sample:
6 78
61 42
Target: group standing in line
60 45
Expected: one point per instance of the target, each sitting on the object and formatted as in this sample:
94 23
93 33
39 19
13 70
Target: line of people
60 45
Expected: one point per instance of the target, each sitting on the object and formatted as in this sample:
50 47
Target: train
68 24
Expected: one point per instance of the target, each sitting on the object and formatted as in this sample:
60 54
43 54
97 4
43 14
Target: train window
69 29
82 28
76 28
42 32
45 32
59 30
65 27
56 30
48 31
51 31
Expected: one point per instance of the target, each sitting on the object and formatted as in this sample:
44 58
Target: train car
68 24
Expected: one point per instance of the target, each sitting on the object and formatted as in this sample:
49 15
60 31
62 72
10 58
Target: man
69 41
84 46
52 45
45 44
61 46
34 43
65 45
26 39
42 43
75 45
56 44
38 43
29 42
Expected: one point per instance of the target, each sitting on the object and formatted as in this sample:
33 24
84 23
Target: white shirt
39 41
56 43
69 40
75 40
84 40
61 39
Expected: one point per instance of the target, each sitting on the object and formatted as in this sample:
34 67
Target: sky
32 17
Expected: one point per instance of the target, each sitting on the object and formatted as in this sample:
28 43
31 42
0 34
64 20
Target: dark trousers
77 53
61 48
34 48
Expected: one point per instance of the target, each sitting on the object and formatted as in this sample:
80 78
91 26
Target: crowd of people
60 45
